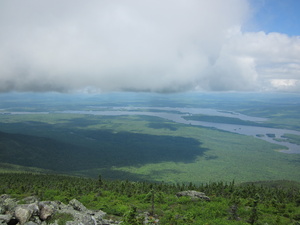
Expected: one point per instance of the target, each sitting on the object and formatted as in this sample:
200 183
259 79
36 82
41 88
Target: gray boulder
4 219
34 208
193 195
38 213
23 214
25 211
2 206
97 215
48 208
7 204
30 199
82 219
31 223
3 197
82 215
77 205
2 209
46 211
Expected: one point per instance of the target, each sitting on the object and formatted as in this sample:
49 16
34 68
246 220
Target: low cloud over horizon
150 45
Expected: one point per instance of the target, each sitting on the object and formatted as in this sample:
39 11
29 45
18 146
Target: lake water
176 115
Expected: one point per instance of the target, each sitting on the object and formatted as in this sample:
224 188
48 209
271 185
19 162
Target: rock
77 205
193 195
31 223
45 223
53 204
23 214
2 209
97 215
82 215
82 219
38 213
46 212
34 208
30 199
7 204
36 219
3 197
47 209
5 218
3 206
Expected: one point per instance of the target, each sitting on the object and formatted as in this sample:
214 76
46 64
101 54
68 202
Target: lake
177 114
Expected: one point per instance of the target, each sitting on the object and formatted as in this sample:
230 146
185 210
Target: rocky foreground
30 211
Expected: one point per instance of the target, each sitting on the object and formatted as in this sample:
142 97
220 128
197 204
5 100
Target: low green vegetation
127 201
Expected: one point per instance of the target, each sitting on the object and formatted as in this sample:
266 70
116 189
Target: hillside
128 201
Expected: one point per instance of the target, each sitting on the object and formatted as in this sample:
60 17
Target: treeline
230 203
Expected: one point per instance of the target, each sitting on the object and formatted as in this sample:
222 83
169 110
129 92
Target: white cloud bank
149 45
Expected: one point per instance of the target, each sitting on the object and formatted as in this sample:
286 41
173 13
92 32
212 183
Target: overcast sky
149 45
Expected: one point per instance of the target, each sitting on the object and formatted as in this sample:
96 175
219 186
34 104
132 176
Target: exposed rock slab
193 195
23 214
39 212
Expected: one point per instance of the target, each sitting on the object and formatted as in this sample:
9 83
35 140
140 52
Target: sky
160 46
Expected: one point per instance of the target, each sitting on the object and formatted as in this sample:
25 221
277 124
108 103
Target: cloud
150 45
269 58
